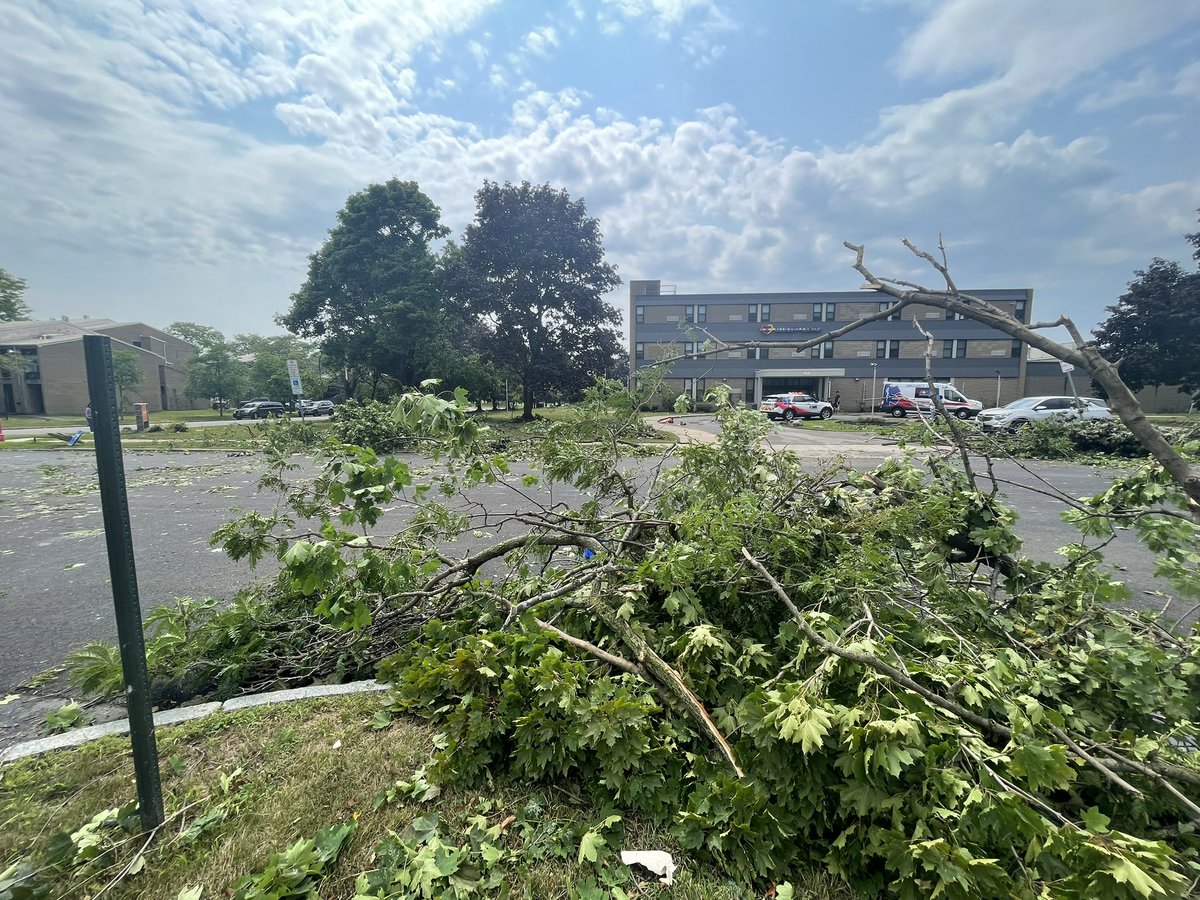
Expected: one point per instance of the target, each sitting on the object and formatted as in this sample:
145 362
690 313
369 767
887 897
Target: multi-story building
983 363
45 372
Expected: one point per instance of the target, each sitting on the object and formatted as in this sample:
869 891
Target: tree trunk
527 400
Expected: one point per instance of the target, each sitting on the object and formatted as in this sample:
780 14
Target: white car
1036 409
795 406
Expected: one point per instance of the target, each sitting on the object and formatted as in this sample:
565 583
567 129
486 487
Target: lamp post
997 387
874 371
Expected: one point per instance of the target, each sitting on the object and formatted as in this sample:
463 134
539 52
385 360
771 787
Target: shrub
369 424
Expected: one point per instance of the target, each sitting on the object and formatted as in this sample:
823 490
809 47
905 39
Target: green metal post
97 352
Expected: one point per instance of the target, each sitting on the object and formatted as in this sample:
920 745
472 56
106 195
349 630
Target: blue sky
178 159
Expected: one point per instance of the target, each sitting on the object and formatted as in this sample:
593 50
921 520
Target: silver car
1035 409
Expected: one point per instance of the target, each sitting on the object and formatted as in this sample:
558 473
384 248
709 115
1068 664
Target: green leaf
1125 872
1094 820
590 846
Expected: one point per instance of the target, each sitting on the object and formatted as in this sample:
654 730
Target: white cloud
540 41
1116 93
1187 82
699 24
112 149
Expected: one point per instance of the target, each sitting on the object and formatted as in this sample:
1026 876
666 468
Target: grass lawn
162 418
241 786
234 436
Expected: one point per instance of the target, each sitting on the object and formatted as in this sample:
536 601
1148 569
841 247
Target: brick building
983 363
47 374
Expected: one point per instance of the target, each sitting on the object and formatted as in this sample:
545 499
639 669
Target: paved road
54 587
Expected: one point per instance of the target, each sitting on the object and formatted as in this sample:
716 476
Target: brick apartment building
983 363
51 379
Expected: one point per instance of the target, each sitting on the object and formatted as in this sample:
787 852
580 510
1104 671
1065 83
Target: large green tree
266 367
532 266
215 371
127 374
1154 327
195 333
12 297
371 297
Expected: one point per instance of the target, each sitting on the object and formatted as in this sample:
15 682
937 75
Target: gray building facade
42 369
983 363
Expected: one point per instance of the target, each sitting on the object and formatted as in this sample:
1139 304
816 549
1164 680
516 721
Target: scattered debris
657 861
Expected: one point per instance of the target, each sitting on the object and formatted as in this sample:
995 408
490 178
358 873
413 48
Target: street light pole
997 387
874 371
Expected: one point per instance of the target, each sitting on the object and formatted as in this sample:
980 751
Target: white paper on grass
657 861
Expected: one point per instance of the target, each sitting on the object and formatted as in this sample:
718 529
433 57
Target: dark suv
259 410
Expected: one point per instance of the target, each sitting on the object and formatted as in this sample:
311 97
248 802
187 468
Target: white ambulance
903 397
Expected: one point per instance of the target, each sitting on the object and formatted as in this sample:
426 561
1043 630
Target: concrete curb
82 736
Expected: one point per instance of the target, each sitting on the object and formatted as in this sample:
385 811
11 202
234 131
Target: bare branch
1083 355
936 396
611 658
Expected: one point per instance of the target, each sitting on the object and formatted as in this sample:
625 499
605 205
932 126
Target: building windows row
887 349
821 312
955 349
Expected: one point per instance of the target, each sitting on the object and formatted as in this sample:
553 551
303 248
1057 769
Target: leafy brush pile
857 671
1094 440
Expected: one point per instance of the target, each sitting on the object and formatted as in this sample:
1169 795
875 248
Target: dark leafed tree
371 296
1154 327
532 266
12 297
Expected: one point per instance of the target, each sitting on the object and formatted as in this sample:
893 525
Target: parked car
261 409
316 407
902 397
795 406
1036 409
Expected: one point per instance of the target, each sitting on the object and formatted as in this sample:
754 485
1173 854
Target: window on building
749 390
688 348
893 350
689 387
824 312
823 351
689 314
888 304
955 349
1019 311
758 353
639 351
752 312
1015 351
764 312
955 316
702 314
639 315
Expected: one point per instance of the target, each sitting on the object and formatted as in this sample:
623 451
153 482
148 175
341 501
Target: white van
902 397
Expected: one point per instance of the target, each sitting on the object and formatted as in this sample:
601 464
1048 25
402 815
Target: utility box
141 415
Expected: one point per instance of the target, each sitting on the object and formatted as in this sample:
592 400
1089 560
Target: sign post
1067 369
97 353
293 368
